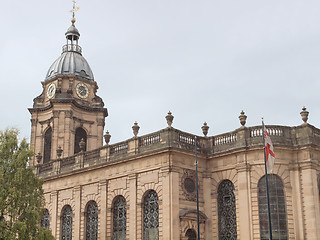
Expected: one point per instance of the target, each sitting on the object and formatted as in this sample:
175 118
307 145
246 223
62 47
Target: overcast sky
203 60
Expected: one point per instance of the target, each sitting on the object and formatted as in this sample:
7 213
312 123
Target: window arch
227 220
191 234
47 145
92 221
151 216
66 223
80 134
119 218
277 208
45 220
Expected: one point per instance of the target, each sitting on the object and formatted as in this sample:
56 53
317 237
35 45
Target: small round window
189 185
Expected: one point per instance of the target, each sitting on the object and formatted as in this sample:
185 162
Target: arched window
151 216
227 220
119 218
80 134
66 223
277 208
191 234
92 221
47 145
45 220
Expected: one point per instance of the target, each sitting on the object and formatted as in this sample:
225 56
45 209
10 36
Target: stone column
54 213
244 202
310 200
297 201
133 207
77 211
103 187
207 204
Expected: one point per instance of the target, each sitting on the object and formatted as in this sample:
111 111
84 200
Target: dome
71 61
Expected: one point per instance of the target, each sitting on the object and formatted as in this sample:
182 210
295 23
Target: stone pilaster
244 194
54 213
103 188
207 207
297 201
310 200
133 207
77 211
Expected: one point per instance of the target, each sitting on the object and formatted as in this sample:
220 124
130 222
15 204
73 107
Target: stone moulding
171 138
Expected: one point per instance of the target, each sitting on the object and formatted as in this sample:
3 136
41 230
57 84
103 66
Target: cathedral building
145 187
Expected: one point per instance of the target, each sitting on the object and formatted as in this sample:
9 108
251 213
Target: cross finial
74 9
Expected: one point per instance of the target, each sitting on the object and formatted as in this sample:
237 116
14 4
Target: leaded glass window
227 220
191 234
119 218
80 134
45 221
151 216
47 145
92 221
66 223
277 208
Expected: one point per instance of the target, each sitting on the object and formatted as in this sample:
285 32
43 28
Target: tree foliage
21 194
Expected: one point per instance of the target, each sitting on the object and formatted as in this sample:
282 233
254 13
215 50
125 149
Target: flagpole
265 166
195 150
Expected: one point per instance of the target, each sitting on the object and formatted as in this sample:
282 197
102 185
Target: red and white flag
268 148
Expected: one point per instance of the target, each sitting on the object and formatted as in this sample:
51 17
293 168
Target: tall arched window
277 208
227 220
47 145
45 220
80 134
191 234
66 223
92 221
151 216
119 218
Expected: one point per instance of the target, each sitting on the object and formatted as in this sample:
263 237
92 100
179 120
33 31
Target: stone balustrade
171 138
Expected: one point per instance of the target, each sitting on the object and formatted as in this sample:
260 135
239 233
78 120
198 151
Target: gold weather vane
74 10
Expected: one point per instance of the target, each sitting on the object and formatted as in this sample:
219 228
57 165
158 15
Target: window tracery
277 208
92 221
227 220
66 223
45 220
151 216
119 218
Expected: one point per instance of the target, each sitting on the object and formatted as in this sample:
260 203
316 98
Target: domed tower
68 109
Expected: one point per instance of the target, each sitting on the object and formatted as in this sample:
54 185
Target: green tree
21 194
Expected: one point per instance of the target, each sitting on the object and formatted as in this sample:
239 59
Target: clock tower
68 109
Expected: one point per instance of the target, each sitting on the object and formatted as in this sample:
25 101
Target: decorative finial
243 118
135 129
169 119
107 137
74 9
304 115
205 128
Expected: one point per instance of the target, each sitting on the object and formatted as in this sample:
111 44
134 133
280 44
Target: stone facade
161 161
145 187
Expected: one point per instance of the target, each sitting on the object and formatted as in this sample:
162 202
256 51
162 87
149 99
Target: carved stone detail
188 184
100 122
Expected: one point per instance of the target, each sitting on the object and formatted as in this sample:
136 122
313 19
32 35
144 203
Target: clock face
82 90
51 90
